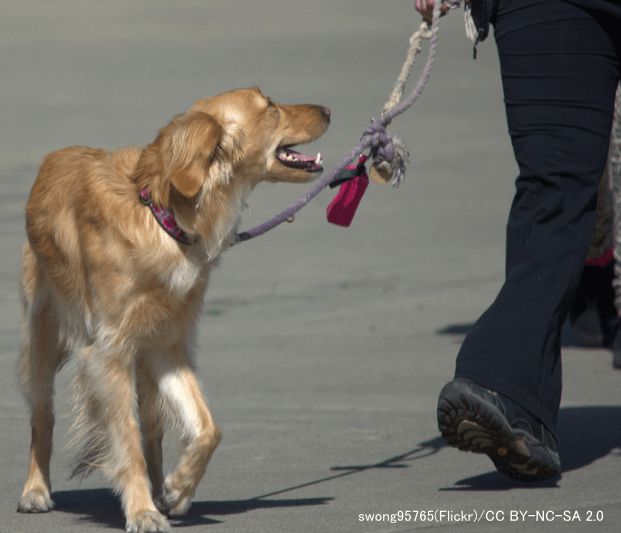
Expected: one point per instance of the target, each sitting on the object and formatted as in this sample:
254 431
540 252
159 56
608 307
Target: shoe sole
469 423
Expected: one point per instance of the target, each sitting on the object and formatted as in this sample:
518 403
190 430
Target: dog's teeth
318 159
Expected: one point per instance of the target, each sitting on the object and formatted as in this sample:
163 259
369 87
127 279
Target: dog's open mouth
293 159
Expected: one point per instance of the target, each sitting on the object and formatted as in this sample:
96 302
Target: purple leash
385 148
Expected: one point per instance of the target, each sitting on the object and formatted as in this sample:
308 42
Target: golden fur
103 284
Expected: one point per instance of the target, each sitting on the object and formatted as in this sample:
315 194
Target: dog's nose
326 111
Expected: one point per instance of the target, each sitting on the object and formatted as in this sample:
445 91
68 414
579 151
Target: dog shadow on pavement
101 506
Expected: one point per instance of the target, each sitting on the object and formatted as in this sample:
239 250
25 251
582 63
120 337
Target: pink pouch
343 207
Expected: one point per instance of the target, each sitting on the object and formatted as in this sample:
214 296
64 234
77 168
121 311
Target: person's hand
425 8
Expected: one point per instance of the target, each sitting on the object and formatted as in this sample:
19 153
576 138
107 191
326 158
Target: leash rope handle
394 107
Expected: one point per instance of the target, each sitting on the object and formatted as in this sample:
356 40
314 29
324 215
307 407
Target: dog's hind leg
113 433
183 398
40 357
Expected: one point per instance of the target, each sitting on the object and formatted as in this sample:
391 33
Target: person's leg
560 67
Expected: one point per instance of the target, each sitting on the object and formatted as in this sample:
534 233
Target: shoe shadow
585 434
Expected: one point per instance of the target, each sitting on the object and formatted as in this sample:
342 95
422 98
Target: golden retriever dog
120 246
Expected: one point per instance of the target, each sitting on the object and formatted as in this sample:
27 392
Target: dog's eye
270 103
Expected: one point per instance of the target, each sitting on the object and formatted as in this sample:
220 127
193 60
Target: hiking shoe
476 419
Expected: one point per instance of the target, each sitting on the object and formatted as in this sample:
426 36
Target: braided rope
416 43
385 148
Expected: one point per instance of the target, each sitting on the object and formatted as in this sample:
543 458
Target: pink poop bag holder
352 182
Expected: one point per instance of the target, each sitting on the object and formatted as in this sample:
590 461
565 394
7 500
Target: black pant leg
560 67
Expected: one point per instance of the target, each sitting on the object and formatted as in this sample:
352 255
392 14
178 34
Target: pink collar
166 218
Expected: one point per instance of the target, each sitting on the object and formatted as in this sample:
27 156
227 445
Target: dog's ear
189 151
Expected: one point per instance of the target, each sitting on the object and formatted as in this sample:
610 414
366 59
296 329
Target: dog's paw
148 522
35 501
176 501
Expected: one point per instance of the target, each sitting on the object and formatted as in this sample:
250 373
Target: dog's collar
166 218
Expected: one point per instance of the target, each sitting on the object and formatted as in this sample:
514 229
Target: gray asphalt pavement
322 349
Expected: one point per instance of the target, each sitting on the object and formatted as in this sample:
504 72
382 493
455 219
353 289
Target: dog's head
237 135
266 133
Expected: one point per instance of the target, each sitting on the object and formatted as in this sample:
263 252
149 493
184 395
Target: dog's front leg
182 394
152 426
108 376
